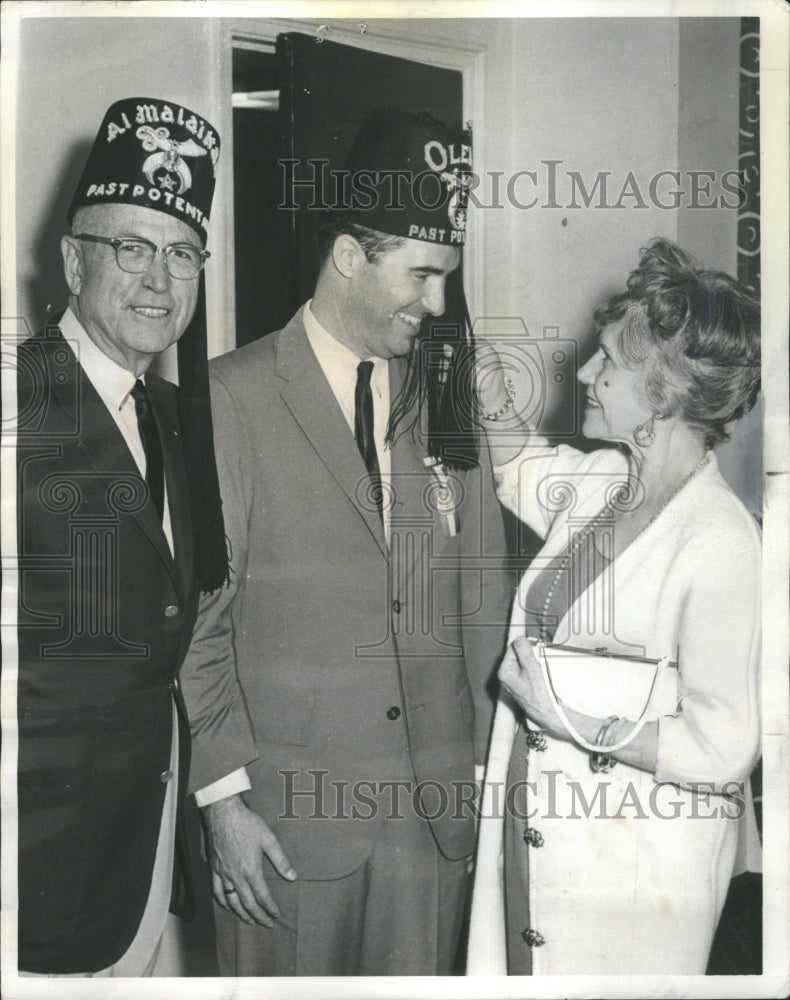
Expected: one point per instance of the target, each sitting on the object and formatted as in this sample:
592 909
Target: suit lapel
104 448
309 397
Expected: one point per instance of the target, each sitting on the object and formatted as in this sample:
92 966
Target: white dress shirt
114 385
339 365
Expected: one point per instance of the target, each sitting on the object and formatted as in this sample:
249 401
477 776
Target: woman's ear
729 427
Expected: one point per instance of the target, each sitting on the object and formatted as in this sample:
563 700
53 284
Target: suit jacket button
165 776
171 611
396 606
393 713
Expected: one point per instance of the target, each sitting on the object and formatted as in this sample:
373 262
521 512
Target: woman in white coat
618 861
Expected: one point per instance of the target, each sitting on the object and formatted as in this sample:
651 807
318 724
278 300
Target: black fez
156 154
409 177
162 156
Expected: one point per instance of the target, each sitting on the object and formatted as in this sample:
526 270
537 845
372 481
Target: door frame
468 57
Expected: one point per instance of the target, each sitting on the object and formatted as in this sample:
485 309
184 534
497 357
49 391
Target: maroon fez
408 176
156 154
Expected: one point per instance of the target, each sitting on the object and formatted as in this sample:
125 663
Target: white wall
579 95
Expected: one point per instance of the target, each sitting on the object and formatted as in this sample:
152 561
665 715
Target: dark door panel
326 90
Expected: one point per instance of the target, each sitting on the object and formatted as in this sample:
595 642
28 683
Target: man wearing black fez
116 478
336 689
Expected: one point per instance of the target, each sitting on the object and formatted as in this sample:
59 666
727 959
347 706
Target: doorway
258 226
305 101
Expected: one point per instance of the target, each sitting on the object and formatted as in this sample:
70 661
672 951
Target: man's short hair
373 242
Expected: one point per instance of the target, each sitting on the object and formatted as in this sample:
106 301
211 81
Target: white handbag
601 684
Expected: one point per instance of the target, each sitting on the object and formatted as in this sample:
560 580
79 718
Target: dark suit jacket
105 615
331 654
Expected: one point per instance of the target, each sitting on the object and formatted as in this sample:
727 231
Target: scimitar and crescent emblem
168 156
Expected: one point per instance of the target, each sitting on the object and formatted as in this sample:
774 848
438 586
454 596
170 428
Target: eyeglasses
182 260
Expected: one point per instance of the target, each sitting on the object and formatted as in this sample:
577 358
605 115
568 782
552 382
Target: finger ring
231 890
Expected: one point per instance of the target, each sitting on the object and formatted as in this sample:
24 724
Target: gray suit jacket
331 655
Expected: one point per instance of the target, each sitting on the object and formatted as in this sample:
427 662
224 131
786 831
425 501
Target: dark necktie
363 430
149 435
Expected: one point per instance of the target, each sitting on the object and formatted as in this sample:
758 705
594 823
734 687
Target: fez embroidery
153 114
169 156
457 180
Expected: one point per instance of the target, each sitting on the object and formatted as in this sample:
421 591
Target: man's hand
237 839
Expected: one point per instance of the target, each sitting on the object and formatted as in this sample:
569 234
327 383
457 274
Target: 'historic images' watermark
312 185
308 794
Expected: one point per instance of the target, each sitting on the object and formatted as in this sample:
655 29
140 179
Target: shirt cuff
233 783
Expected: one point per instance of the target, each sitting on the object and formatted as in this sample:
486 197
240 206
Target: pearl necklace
601 517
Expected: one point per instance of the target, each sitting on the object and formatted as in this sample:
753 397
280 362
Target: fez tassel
208 527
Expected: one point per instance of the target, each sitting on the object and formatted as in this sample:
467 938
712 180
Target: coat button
171 611
396 606
165 776
536 740
533 938
393 713
534 837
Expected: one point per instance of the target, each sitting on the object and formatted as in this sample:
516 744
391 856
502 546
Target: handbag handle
540 652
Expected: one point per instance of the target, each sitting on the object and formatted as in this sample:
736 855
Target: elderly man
108 455
332 687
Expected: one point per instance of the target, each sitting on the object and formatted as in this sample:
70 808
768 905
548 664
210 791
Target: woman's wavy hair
694 334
